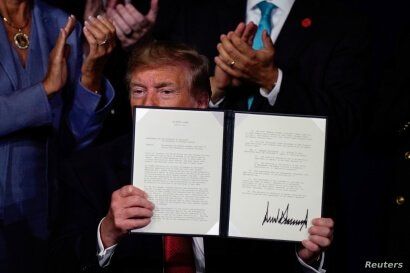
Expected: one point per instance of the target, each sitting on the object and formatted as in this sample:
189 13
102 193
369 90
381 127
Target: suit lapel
295 33
6 58
47 35
47 30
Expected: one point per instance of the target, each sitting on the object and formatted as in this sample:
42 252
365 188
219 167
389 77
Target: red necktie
178 255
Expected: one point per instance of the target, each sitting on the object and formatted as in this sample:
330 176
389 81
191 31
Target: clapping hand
57 73
222 79
238 59
100 35
131 26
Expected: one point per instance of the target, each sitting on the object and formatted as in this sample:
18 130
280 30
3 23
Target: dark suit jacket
325 73
86 184
387 146
324 65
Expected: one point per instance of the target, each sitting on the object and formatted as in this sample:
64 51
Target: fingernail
99 16
91 18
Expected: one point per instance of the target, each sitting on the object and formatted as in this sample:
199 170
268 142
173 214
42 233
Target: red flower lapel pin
306 23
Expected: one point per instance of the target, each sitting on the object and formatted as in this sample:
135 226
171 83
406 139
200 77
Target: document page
277 176
178 162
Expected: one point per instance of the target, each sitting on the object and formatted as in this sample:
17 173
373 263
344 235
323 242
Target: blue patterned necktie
264 24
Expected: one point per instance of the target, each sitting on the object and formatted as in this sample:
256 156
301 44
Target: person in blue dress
53 99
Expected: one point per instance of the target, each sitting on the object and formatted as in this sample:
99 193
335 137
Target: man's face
165 86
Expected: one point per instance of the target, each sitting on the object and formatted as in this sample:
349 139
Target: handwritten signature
282 218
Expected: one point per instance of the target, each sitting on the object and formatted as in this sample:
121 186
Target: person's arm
334 85
271 95
29 107
221 80
25 108
91 94
314 267
103 254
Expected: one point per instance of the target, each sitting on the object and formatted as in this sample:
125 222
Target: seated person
98 207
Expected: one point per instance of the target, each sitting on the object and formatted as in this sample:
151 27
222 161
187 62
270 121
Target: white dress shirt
278 17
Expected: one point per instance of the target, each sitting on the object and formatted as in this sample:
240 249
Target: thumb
59 47
267 42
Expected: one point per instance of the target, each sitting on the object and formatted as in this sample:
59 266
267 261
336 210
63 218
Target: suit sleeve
86 110
83 111
24 108
327 77
74 224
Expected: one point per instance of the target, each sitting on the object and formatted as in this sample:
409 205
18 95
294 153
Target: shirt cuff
103 255
308 268
273 94
216 104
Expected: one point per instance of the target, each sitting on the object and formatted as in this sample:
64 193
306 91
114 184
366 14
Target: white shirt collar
284 5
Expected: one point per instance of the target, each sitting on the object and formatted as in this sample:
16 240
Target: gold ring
232 63
105 41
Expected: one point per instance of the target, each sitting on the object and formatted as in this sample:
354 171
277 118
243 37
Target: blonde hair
155 54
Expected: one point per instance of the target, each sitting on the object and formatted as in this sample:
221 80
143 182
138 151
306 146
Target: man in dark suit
322 50
97 208
318 57
320 46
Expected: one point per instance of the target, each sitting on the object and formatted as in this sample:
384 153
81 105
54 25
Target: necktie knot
266 8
